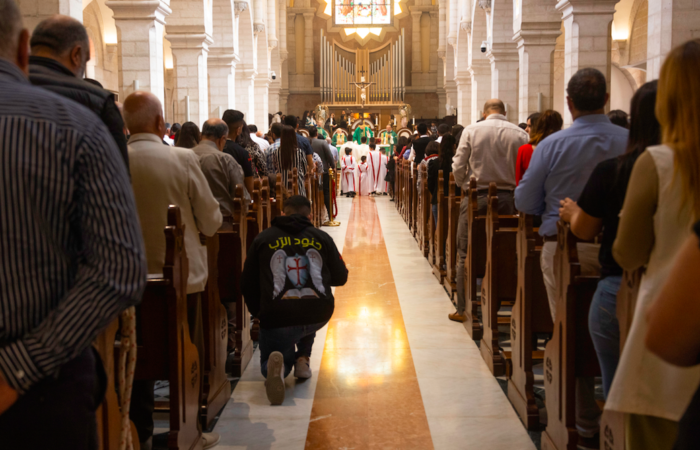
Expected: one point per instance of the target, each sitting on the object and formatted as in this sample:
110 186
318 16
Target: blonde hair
678 112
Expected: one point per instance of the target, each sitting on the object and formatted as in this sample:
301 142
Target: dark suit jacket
419 148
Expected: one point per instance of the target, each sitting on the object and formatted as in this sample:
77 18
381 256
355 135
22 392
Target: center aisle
390 370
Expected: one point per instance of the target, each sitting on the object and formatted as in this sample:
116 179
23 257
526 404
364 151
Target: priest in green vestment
391 139
362 130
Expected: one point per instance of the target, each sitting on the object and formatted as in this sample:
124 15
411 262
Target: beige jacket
163 176
223 174
488 150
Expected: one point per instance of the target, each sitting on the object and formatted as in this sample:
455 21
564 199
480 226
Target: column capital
272 43
258 28
463 80
156 10
585 7
537 33
500 52
188 37
239 6
465 26
222 57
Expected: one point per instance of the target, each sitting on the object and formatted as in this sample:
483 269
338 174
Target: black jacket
55 77
419 146
288 274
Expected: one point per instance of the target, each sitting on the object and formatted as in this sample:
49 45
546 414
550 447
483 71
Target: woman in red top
547 123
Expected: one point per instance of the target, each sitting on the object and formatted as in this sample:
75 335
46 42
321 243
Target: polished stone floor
390 370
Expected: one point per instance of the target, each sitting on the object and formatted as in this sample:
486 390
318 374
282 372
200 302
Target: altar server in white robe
362 149
377 166
366 181
348 167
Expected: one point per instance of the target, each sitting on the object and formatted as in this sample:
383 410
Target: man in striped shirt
71 254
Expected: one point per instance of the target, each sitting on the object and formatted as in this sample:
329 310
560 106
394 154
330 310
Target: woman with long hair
286 157
256 155
661 205
598 209
547 123
188 136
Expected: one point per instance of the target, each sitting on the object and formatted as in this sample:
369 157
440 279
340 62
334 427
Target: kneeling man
287 281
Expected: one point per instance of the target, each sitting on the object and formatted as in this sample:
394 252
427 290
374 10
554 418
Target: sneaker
274 385
210 440
302 369
457 317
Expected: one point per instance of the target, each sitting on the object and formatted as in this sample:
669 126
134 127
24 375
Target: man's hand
568 209
8 396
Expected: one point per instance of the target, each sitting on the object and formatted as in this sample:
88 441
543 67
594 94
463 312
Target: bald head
63 39
494 106
144 114
216 131
13 38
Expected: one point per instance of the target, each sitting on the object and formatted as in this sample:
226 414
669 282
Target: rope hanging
126 368
335 203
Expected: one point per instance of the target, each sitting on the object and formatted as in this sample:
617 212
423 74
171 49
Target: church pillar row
587 40
140 26
535 46
222 82
190 51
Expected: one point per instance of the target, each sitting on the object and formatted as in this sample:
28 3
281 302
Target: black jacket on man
55 77
419 146
288 274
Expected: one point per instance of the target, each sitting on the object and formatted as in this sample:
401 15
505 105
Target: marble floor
390 370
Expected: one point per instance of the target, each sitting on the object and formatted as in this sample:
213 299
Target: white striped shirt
71 252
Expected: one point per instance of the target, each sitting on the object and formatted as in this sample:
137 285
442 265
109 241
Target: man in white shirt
161 176
262 143
487 150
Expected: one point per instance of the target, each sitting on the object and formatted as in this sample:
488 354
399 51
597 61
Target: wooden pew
295 182
232 251
612 424
570 353
278 205
530 315
500 280
440 235
474 263
254 217
452 220
216 388
414 200
108 414
165 350
423 219
267 203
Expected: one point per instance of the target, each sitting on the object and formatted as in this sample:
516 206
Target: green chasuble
392 140
359 132
322 132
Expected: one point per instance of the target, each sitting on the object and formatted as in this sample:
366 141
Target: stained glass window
362 12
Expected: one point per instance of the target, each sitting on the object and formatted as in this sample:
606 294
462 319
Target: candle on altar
376 121
394 120
414 120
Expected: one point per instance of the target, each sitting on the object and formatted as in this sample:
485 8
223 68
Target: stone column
309 42
222 81
283 31
34 11
480 71
273 100
464 100
416 65
504 77
670 23
536 43
245 89
453 22
587 40
140 26
272 23
262 106
190 51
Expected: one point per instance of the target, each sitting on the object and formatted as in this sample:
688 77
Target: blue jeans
604 328
435 212
284 340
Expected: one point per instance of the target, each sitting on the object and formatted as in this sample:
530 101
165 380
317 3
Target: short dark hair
292 121
252 128
214 131
297 204
363 139
522 125
619 118
372 145
443 129
60 34
422 128
232 117
313 132
587 89
348 150
276 129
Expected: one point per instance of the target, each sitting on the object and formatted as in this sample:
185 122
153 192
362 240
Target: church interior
476 302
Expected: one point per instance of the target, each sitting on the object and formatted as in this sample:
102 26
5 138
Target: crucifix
362 85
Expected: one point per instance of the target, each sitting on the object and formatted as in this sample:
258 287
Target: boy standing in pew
287 281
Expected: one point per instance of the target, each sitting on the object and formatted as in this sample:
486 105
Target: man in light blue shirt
560 168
